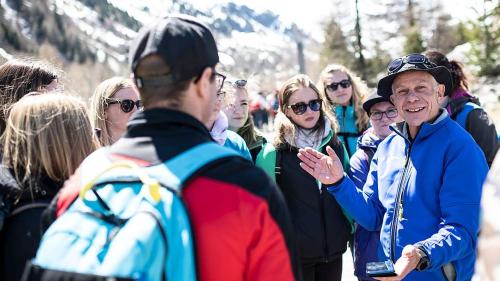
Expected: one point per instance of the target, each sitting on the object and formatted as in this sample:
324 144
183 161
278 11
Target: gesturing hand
325 168
405 264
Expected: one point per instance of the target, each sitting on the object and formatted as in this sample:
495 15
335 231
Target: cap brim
370 102
440 73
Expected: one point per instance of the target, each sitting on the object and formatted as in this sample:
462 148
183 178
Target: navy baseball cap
373 99
185 44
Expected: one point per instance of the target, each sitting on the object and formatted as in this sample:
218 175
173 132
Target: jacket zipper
398 207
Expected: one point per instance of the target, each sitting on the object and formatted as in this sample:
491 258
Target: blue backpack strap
461 117
178 169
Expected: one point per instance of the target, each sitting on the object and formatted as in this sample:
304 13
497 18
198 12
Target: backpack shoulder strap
461 117
179 169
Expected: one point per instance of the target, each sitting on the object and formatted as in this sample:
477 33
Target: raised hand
326 168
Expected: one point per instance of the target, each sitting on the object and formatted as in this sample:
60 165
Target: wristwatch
423 263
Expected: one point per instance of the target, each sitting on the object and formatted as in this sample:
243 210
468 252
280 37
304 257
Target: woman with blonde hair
240 120
320 225
46 138
346 93
19 77
111 105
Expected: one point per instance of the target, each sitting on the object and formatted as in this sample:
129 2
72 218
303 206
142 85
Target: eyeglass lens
301 107
335 85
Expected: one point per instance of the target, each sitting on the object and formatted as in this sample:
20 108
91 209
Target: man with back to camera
424 186
242 230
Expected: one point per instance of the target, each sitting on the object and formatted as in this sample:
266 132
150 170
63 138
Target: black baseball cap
414 62
373 99
184 43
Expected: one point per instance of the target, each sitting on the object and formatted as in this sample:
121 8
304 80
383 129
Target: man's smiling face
415 95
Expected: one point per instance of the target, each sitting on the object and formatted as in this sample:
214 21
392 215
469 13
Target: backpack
129 222
463 115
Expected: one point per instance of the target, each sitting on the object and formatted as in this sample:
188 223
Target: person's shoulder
236 142
234 137
456 133
241 173
8 183
358 157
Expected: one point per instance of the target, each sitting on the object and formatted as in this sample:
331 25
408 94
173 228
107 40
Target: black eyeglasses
390 113
126 105
220 95
335 85
418 60
219 80
301 107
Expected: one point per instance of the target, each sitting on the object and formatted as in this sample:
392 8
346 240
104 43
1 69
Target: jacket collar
426 129
160 118
369 140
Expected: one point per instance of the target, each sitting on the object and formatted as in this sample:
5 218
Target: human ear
440 90
204 83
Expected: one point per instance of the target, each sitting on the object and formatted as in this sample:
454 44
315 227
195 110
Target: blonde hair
359 92
48 134
99 103
283 125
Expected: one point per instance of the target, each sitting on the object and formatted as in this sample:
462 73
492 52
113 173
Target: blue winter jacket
424 192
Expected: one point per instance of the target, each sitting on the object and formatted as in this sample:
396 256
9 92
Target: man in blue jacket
424 186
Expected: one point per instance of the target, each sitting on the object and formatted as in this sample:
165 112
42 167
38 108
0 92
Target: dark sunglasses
418 60
240 83
301 107
126 105
377 115
335 85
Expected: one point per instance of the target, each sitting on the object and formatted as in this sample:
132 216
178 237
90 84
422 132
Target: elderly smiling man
424 186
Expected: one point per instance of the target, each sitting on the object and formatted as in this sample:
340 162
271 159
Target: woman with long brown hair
320 225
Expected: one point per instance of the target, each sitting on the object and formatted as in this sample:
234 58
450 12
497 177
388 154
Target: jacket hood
369 140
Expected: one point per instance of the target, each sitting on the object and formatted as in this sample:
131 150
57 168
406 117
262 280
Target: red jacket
241 226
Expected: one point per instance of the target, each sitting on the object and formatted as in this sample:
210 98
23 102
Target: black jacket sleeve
483 130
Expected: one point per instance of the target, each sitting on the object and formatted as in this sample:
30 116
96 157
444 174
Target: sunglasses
126 105
377 115
301 107
240 83
415 59
335 85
